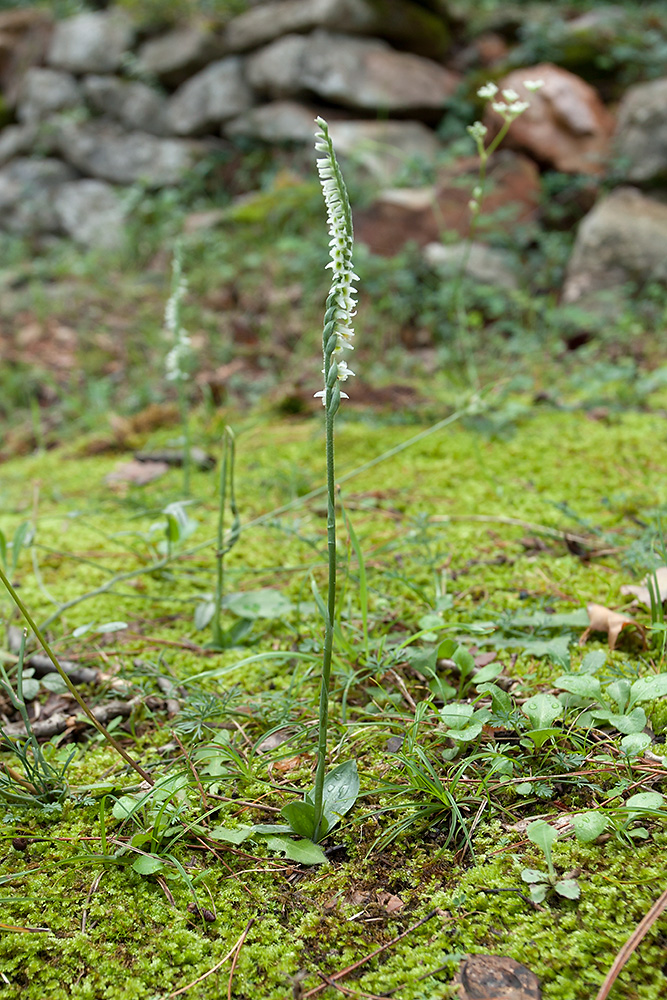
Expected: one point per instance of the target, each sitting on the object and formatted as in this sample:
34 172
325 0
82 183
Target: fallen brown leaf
612 622
495 977
137 473
643 593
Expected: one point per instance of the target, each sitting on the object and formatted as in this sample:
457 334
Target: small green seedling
543 836
542 711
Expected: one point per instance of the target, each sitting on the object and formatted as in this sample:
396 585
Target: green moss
134 943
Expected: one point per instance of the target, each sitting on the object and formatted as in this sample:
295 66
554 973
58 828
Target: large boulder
483 264
105 151
25 36
566 126
622 241
421 215
641 135
174 57
16 140
275 122
352 72
27 189
385 150
404 23
213 96
91 43
91 213
134 104
43 92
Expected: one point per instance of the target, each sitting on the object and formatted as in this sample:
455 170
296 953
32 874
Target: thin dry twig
91 892
215 968
640 931
362 961
236 957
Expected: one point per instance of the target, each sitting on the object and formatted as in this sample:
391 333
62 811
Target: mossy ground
136 943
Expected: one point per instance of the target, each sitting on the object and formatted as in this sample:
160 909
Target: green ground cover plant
480 782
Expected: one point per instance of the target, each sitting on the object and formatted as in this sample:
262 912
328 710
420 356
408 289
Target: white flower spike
341 302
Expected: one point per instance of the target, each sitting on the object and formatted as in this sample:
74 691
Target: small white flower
499 107
488 91
343 371
477 131
518 108
533 85
510 95
473 205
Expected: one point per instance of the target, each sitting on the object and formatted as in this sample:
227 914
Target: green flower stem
226 476
72 689
187 444
329 621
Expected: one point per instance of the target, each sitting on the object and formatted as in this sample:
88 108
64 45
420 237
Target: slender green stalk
226 477
177 357
323 725
71 687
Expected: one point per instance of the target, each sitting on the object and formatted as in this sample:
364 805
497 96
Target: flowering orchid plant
323 806
175 362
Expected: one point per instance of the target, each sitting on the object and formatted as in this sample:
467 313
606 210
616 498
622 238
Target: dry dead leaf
391 903
643 593
495 977
612 622
137 473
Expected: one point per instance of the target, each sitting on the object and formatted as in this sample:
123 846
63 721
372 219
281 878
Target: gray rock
385 149
353 72
277 121
27 189
134 104
105 151
174 57
277 69
623 239
45 91
405 23
91 43
91 213
487 265
641 132
16 140
213 96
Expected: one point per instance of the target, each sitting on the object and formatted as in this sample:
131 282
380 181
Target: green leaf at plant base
542 710
633 722
301 818
532 875
305 852
634 744
583 685
589 825
593 661
540 736
341 788
124 806
538 892
645 802
648 688
148 864
231 835
264 603
541 834
568 887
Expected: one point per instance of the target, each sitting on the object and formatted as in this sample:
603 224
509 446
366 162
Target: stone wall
94 104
